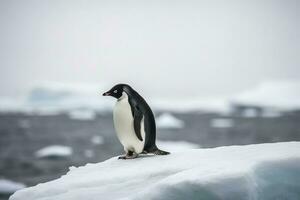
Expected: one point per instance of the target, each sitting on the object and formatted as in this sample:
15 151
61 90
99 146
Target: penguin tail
155 151
160 152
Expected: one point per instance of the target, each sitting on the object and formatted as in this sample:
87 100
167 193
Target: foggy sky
166 48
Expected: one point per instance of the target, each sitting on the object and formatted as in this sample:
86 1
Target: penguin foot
129 155
144 152
125 157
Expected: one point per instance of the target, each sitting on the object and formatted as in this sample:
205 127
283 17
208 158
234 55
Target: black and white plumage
134 122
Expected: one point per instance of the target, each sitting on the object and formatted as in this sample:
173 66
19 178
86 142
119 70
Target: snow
166 120
261 171
176 146
9 187
221 123
82 114
54 151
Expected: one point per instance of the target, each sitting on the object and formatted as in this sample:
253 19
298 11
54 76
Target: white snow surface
54 151
166 120
9 187
261 171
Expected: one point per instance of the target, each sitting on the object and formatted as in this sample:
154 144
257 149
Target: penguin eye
115 91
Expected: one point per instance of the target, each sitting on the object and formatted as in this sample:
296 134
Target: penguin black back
138 103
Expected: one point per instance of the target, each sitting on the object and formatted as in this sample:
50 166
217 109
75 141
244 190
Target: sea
92 139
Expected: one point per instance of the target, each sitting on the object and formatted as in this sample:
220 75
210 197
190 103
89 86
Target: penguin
134 122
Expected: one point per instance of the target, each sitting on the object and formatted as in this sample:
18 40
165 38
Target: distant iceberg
221 123
82 114
215 104
251 172
281 94
50 98
69 96
166 120
176 146
53 98
54 151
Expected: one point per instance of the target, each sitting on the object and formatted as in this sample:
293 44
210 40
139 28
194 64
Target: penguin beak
106 94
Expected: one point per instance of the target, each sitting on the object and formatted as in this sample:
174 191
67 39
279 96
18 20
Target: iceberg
183 105
167 120
280 94
82 114
250 172
67 96
175 146
54 151
52 98
56 97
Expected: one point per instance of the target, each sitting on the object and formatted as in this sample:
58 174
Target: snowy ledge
263 171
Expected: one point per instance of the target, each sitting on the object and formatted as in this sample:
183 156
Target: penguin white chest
123 122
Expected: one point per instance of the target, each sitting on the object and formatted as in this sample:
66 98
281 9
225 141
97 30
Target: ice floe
166 120
54 151
250 172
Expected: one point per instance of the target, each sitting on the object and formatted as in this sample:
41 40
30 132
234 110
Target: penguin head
116 91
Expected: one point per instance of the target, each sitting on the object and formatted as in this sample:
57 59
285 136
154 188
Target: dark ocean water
22 135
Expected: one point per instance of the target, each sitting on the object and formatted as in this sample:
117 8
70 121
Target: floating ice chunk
9 187
176 146
97 140
24 123
221 123
260 171
167 120
82 114
250 113
54 151
89 153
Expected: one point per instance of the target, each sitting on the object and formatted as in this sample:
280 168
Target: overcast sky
165 48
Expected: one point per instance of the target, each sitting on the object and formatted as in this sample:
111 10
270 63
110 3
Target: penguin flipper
137 119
